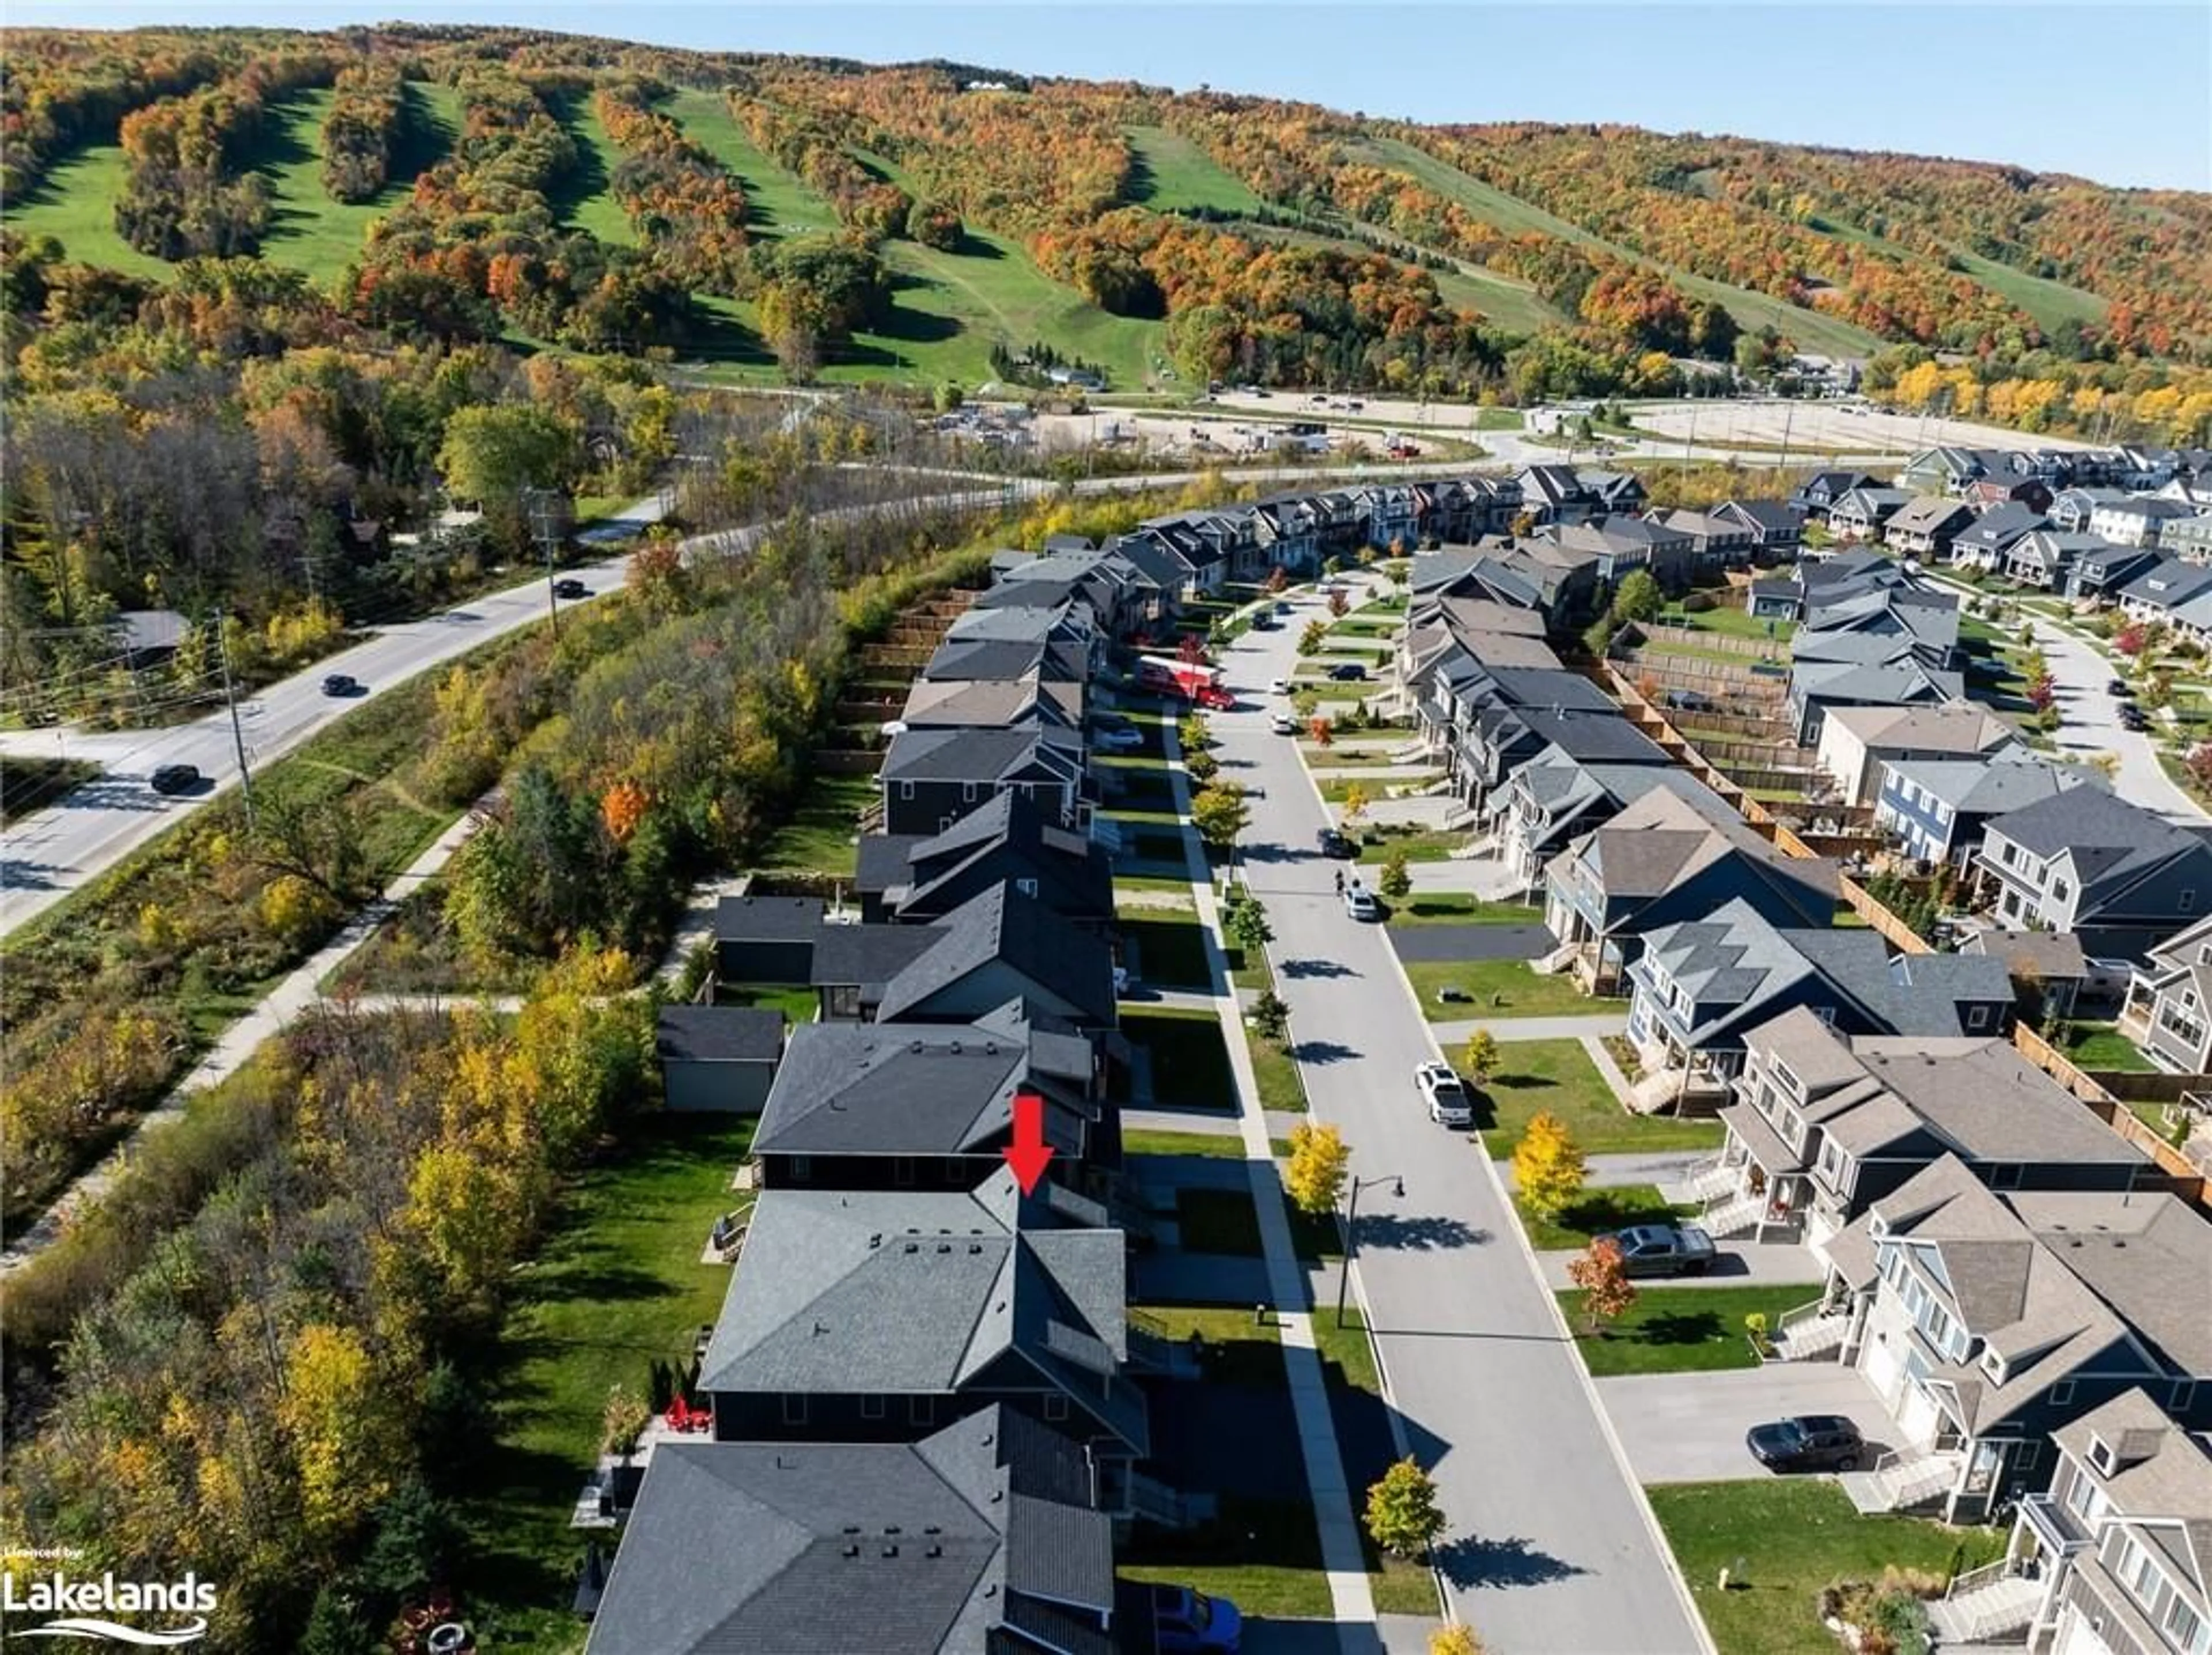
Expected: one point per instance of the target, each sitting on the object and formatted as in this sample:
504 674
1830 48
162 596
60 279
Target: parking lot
1689 1427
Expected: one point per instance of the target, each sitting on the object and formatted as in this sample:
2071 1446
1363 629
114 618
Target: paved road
1550 1546
1471 942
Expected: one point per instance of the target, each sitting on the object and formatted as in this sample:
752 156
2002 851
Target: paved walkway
1612 1172
1615 1077
279 1007
1532 1028
1342 1555
1280 1122
1478 876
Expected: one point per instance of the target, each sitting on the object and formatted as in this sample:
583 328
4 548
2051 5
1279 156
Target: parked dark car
571 589
175 778
1348 671
2131 717
1809 1442
1333 843
1186 1622
1662 1250
341 683
2119 687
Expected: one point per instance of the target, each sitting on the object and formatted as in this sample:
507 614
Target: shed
767 939
717 1058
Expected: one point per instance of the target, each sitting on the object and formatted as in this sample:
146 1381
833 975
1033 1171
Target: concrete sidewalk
1612 1172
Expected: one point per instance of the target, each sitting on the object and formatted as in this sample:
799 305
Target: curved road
52 852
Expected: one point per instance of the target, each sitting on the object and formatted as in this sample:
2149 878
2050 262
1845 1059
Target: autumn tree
622 807
1639 597
1479 1057
1320 1162
1201 765
1549 1169
1339 605
1602 1275
1310 640
1355 802
2198 764
1279 580
1456 1638
1191 652
1322 730
1396 881
1221 813
1270 1018
1191 733
1403 1517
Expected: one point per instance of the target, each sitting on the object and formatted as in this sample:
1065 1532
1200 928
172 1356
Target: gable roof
1663 837
902 1291
2003 781
2100 828
1073 872
933 1547
712 1034
1955 727
1002 925
980 753
1928 515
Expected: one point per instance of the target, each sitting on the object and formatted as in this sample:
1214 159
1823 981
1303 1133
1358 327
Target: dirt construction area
1820 427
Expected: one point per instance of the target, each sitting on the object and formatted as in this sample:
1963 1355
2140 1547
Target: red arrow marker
1029 1155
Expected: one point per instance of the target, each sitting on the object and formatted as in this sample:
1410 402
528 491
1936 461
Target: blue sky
2119 94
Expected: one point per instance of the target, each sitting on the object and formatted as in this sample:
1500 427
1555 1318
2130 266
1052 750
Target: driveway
1738 1264
1548 1547
1689 1427
1457 942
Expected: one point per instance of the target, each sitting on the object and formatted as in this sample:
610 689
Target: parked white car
1283 724
1443 1092
1278 686
1122 739
1359 903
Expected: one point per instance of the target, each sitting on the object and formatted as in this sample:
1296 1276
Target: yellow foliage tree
1319 1161
1548 1166
345 1428
1458 1639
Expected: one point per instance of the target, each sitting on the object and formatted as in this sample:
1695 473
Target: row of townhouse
930 1406
2173 593
1868 635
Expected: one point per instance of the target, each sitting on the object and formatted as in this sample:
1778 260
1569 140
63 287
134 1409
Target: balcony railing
2061 1532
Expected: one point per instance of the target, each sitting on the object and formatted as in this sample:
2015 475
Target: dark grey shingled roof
891 1089
718 1033
2090 820
868 955
1597 737
899 1548
1073 874
768 919
1002 924
967 753
1549 687
906 1292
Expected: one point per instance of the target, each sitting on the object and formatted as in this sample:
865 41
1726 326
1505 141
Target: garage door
1881 1368
1917 1418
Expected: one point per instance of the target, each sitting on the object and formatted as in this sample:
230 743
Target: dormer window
1993 1364
2102 1458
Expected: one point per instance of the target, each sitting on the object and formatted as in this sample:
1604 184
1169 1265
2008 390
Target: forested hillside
252 278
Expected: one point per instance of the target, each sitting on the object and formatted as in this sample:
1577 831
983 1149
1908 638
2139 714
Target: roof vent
990 1048
876 1239
931 1528
852 1551
997 1494
821 1327
914 1246
953 1047
974 1247
852 1528
890 1549
890 1528
933 1551
916 1046
943 1246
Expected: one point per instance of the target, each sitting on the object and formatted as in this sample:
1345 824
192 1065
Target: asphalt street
1550 1546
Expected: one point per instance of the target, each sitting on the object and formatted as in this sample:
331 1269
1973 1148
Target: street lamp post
1397 1183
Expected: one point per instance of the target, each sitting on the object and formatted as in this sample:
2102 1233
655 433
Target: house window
794 1408
921 1410
802 1168
2005 1176
1055 1406
2060 1394
2183 1395
1978 1017
872 1407
906 789
2182 1624
1027 886
2189 900
2059 889
903 1171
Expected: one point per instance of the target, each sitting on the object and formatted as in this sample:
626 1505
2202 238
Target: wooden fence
1724 643
1861 902
2180 1177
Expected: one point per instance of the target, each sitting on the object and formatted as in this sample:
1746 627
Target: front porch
1755 1185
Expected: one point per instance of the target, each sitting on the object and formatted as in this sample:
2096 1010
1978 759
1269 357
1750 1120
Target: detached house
932 777
1826 1124
1820 491
2044 559
2099 573
1985 543
2085 861
1010 838
1778 526
1988 1319
1864 512
1927 527
1668 856
2136 520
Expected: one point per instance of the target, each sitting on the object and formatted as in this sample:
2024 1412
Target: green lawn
2102 1046
1172 174
1679 1330
1419 845
1536 1075
1214 1146
1728 621
1783 1539
75 205
1277 1072
798 1005
1459 908
2048 302
308 229
1499 988
583 198
1348 1369
1169 952
618 1284
1190 1058
1614 1207
823 835
1499 419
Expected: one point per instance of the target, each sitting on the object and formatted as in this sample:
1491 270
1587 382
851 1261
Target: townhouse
1984 544
1549 799
910 878
1925 527
1825 1123
1702 985
1818 495
1669 856
2087 861
1857 742
1939 808
1621 545
1987 1319
2169 1007
2045 558
2137 520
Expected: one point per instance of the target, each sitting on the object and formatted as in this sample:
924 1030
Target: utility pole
1788 413
540 503
237 731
